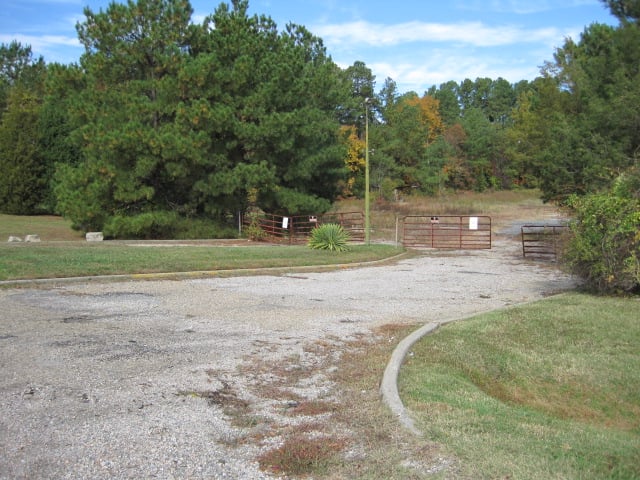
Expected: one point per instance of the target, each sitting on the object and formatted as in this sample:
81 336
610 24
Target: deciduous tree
411 125
587 107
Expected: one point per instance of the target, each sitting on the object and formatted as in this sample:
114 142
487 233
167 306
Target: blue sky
417 43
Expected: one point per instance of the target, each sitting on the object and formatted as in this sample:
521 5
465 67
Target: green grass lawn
48 227
549 390
65 253
72 259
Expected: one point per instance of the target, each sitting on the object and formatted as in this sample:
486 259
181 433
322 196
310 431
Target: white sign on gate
285 222
473 223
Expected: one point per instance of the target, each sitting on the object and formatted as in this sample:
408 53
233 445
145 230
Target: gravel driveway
108 379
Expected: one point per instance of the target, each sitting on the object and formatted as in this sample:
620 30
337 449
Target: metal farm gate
542 240
296 229
447 231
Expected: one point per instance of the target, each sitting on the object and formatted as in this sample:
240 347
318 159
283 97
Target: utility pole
367 224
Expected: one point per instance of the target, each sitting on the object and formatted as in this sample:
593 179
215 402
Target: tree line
166 127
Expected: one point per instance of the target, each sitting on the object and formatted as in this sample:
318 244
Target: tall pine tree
194 121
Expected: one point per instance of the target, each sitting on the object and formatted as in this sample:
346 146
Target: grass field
30 261
64 252
549 390
48 227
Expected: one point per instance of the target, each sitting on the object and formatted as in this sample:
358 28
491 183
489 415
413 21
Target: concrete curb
389 385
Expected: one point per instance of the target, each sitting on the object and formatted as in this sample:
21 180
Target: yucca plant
329 236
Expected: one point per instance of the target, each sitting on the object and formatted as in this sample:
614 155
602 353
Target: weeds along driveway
135 379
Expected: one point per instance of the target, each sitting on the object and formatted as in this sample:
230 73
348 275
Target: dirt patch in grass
301 455
322 415
314 407
225 397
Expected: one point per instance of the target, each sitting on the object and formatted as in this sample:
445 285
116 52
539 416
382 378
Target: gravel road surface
122 379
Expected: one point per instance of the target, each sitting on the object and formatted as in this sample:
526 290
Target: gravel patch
135 379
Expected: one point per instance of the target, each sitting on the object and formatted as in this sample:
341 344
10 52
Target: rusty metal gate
296 229
447 231
542 241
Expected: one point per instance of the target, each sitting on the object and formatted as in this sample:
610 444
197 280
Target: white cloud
54 48
43 42
198 18
41 3
417 54
521 7
471 33
441 67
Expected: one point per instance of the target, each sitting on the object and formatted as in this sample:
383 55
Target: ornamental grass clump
329 236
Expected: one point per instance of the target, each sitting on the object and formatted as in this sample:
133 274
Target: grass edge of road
38 261
543 390
495 409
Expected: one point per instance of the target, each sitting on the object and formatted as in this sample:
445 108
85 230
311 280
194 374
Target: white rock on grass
14 239
32 238
94 237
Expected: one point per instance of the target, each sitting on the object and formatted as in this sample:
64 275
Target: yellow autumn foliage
429 115
354 158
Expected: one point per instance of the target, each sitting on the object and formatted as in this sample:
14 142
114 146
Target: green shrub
254 231
329 236
604 249
147 225
161 225
199 228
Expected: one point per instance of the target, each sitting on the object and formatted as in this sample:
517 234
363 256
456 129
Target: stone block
94 237
32 238
14 239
